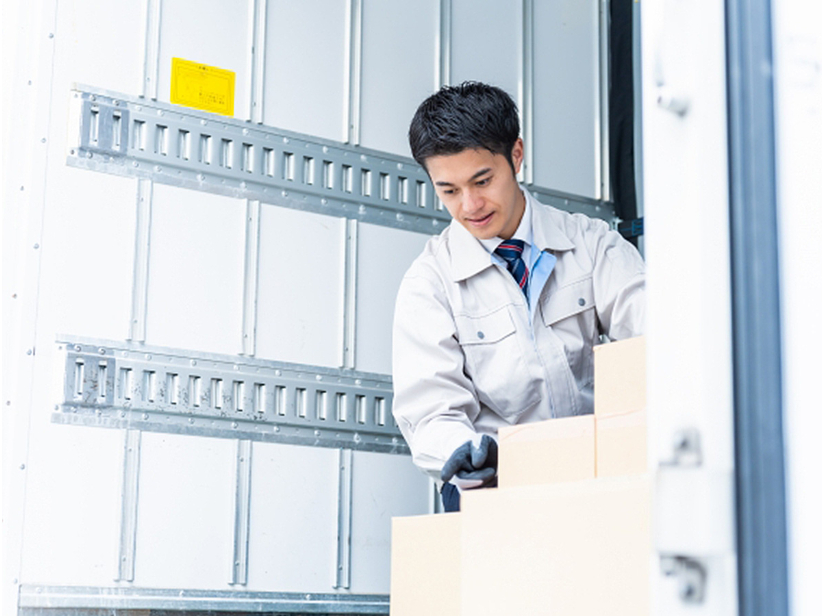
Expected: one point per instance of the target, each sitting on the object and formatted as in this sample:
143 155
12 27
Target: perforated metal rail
179 146
169 144
120 385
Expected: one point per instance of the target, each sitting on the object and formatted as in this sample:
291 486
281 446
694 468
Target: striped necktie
511 252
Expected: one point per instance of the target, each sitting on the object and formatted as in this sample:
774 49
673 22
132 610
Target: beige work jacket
467 357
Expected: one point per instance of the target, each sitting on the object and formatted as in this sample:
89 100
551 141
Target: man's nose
472 202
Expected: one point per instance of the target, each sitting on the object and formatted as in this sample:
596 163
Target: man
496 320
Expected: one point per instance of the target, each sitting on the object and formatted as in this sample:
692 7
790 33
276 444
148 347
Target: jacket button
480 335
581 301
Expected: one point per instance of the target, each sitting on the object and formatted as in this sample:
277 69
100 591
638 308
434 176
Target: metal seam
444 47
242 513
251 277
350 248
603 169
151 61
528 88
260 18
128 505
344 494
354 70
142 253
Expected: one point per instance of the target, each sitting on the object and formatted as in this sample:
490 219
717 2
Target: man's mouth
481 221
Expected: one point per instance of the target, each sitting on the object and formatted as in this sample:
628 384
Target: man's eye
483 181
448 191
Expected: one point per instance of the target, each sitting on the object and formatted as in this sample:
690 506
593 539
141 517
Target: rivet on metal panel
276 428
193 362
36 246
358 382
234 424
22 467
319 377
89 155
285 139
77 347
43 140
203 122
148 356
277 373
101 351
145 416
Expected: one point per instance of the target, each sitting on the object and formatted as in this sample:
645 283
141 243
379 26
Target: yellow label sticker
202 87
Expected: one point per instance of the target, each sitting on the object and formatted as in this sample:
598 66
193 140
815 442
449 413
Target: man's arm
435 403
619 283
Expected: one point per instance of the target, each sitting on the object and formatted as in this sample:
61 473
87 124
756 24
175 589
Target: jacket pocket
570 313
496 363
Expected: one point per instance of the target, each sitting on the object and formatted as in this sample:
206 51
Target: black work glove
472 466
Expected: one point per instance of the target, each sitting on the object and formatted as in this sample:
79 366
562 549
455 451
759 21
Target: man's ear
517 155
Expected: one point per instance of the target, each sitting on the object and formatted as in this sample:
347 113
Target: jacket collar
469 257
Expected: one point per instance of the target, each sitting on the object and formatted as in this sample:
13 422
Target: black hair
468 116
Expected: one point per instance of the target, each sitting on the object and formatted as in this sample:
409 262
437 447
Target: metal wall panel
305 77
384 256
384 486
90 50
566 95
485 37
185 515
195 288
72 505
299 306
399 60
212 32
293 530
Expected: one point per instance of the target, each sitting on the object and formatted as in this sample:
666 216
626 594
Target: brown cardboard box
568 549
619 377
547 452
425 565
622 447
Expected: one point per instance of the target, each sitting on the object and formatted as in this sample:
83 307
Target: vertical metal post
757 337
129 494
142 249
527 107
145 188
242 514
350 229
444 45
353 82
250 276
259 19
603 170
151 51
343 570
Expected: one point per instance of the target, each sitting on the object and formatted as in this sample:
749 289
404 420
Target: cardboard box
568 549
622 447
547 452
425 565
619 377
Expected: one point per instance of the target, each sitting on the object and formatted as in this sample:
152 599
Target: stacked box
426 565
577 548
567 531
549 451
619 403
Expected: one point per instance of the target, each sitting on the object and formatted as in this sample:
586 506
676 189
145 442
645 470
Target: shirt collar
470 256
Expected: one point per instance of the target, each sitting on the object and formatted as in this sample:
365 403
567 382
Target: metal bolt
51 35
43 140
135 164
324 201
22 467
276 428
8 402
28 352
77 347
101 351
277 373
285 139
89 155
56 407
36 246
191 420
245 131
234 424
319 377
316 433
193 362
14 295
145 415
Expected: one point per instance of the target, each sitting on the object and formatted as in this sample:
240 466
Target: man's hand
471 466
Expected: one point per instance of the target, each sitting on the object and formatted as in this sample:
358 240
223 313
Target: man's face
480 191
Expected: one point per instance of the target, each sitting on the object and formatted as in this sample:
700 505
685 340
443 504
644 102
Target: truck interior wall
81 278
